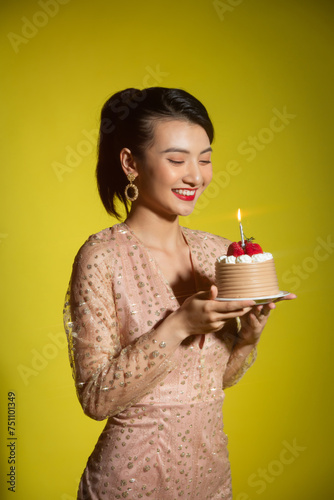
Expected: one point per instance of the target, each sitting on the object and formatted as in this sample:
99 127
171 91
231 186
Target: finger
261 311
234 305
214 306
291 296
267 308
224 316
244 311
213 292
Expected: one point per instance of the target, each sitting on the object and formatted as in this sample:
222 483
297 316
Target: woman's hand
201 313
254 321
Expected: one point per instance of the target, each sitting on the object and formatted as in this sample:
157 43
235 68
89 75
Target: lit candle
241 230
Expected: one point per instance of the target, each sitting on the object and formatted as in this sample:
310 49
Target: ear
128 162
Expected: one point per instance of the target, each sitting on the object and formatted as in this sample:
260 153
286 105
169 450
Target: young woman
151 348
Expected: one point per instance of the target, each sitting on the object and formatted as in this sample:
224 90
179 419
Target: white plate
258 300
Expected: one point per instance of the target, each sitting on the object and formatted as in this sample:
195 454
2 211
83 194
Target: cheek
161 173
169 177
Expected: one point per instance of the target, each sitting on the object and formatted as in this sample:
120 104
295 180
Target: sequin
164 436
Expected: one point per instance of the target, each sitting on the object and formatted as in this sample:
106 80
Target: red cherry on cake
235 249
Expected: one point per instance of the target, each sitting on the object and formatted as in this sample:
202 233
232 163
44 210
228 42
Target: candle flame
239 215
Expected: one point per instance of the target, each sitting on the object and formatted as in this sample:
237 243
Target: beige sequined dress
164 435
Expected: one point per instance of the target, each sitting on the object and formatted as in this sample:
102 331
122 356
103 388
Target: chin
186 211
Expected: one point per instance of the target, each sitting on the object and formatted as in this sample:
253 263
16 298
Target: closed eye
175 162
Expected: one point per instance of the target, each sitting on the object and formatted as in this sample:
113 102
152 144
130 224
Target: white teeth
185 192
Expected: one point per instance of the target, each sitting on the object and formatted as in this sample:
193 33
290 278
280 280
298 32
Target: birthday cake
246 272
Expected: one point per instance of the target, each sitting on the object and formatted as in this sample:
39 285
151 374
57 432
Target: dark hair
127 121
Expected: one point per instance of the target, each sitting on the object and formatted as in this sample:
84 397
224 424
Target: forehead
178 133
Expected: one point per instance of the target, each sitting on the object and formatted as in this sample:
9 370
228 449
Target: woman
151 349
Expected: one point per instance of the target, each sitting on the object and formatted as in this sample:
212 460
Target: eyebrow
180 150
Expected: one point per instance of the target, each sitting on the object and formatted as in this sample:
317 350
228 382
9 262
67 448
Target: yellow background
246 60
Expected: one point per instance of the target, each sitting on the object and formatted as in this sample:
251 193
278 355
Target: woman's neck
154 231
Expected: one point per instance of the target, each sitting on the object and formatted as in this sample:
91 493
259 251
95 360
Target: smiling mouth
185 194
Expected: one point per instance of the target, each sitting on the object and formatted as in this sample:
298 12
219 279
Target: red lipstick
185 194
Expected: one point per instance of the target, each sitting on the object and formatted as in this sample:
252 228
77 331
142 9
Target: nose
193 175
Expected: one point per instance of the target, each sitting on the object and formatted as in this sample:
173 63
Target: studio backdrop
264 70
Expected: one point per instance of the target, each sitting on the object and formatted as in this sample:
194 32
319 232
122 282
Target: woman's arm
110 378
247 337
248 334
241 359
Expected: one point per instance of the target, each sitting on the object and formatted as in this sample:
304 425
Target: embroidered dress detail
164 435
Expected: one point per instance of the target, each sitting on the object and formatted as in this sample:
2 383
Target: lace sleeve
109 377
237 369
237 364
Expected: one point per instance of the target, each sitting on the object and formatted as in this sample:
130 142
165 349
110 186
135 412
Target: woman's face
176 168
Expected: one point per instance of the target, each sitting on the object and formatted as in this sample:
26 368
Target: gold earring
131 178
